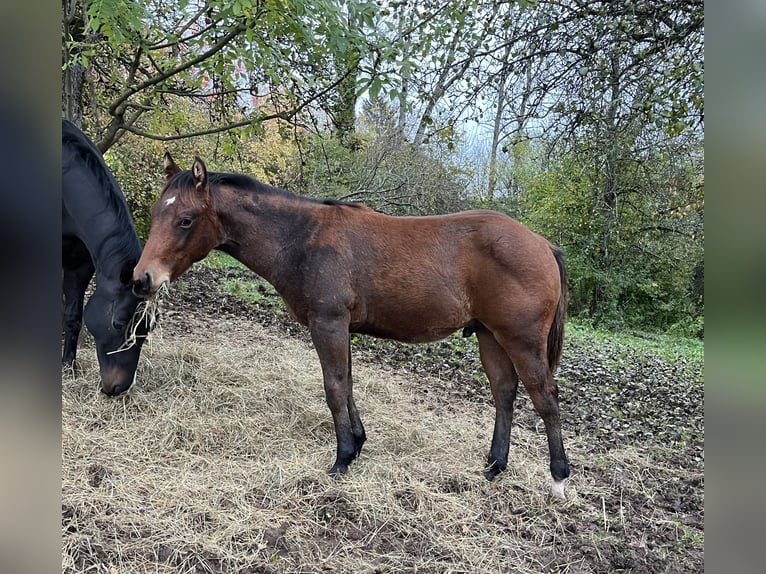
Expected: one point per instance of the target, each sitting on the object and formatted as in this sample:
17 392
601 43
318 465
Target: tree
656 244
619 101
246 61
433 46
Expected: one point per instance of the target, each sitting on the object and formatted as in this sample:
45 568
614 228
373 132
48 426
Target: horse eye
118 325
186 222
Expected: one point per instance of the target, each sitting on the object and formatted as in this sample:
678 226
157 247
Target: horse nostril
142 284
112 392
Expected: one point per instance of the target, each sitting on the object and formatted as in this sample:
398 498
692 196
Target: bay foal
343 268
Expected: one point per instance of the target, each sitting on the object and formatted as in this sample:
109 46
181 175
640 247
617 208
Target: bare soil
215 461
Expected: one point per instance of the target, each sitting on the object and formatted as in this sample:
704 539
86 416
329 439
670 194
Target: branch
664 229
161 77
288 115
191 21
215 130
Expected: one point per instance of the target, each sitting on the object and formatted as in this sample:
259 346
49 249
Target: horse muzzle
146 283
142 285
116 381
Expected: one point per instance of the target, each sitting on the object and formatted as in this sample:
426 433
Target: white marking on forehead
170 200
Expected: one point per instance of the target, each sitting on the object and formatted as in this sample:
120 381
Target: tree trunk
492 176
605 200
343 111
344 107
73 77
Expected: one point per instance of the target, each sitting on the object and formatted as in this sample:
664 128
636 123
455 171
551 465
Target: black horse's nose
142 285
115 380
116 390
110 392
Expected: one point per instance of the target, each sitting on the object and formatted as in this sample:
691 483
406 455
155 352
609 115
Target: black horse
98 237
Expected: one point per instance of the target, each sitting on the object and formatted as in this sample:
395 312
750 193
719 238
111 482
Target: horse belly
412 320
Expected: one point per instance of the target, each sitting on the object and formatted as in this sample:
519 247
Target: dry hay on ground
216 462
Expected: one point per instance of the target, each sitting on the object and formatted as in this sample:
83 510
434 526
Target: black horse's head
109 317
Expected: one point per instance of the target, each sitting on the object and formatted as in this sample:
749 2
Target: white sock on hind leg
557 489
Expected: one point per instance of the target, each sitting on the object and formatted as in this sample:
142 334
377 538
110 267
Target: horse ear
199 171
169 166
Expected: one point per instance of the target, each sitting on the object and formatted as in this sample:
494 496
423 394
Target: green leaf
374 89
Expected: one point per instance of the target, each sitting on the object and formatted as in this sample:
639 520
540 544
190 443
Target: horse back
463 247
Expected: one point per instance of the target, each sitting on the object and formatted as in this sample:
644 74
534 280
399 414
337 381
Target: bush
636 266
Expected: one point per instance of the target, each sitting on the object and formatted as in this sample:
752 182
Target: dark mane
93 159
110 197
251 185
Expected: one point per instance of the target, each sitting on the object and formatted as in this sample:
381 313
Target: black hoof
493 469
338 470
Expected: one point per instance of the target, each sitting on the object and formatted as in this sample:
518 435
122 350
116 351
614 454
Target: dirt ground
215 461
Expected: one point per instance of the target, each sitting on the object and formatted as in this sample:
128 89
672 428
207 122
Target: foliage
383 169
639 58
265 156
137 165
251 58
542 64
138 169
641 275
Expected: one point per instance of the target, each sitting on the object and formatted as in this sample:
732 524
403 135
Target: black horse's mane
249 184
93 159
114 199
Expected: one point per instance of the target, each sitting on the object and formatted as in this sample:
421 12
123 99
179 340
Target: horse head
184 228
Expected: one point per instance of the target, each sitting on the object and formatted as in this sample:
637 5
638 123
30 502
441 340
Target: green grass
666 347
250 287
255 290
220 260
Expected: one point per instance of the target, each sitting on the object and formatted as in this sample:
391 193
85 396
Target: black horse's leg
503 381
357 428
330 339
532 366
74 283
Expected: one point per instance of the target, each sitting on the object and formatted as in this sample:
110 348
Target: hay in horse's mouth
147 310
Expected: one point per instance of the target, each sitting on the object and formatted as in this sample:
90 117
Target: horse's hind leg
357 428
503 381
532 366
74 283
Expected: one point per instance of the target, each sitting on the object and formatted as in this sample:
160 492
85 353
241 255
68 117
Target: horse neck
101 220
113 244
263 230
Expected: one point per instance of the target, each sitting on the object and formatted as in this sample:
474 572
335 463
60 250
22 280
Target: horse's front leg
331 341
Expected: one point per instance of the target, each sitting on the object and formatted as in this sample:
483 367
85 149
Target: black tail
556 334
